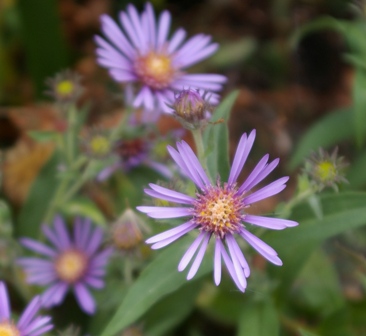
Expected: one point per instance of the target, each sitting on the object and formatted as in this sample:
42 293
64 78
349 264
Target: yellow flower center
100 145
219 211
155 70
326 171
65 87
71 265
8 329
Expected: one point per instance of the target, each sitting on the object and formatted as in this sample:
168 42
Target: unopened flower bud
65 87
191 108
127 231
326 170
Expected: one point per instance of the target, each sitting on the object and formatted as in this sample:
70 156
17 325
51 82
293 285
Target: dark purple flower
218 211
140 52
70 264
28 324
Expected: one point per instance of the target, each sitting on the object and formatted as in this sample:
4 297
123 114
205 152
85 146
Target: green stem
198 140
61 190
297 199
70 134
122 122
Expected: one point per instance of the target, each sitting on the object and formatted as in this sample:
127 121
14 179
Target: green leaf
341 212
320 290
216 139
171 311
81 206
304 332
356 173
359 102
328 131
39 197
43 136
44 44
258 319
158 279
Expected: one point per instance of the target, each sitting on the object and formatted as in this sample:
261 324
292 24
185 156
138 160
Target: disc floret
219 210
71 265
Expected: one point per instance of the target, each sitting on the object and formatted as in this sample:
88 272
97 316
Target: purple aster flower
28 324
132 153
140 52
71 264
218 211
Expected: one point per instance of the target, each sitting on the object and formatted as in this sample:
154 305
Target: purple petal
160 168
135 20
260 177
114 34
85 231
241 155
182 165
239 254
217 263
230 266
264 249
163 29
253 175
164 212
192 158
52 237
186 227
41 331
122 75
151 24
269 222
54 295
94 282
63 235
197 262
190 252
84 298
94 241
108 171
170 195
267 191
38 247
239 271
38 322
4 303
176 40
169 240
199 56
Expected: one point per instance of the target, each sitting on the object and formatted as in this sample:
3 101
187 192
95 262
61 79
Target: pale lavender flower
75 264
218 211
28 324
140 52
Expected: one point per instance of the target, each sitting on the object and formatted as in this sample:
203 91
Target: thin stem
198 140
297 199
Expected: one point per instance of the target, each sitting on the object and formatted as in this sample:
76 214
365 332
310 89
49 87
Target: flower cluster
218 212
71 264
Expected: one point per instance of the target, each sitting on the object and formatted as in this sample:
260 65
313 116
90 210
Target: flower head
326 170
70 264
28 324
96 144
192 108
126 232
131 153
218 211
65 87
140 52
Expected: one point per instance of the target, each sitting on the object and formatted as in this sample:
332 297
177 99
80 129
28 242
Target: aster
28 324
140 52
132 153
71 263
218 211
